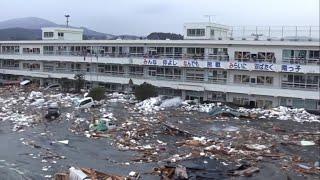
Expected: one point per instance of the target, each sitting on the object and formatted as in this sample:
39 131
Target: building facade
206 65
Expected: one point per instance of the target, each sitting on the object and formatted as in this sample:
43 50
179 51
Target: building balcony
302 61
184 63
173 83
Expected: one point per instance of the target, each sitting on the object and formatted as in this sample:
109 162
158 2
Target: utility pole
67 16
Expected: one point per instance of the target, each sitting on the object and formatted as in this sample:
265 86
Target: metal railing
304 86
187 78
270 33
301 60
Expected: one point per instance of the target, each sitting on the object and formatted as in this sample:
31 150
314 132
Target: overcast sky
140 17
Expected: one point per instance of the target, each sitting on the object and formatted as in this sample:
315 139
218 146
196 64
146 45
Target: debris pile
24 108
123 98
87 173
283 113
169 131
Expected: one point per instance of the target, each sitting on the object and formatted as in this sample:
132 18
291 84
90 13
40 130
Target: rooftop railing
271 33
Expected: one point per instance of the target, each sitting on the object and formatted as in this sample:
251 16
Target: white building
210 64
60 33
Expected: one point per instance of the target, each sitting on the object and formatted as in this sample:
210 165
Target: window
177 52
237 79
10 49
163 52
7 63
165 72
136 70
216 96
271 57
195 32
220 54
264 80
260 80
47 67
269 80
300 81
152 71
212 32
48 50
217 76
242 56
136 51
244 79
241 101
196 53
31 66
194 75
31 50
48 34
218 51
264 103
60 34
112 69
314 57
294 56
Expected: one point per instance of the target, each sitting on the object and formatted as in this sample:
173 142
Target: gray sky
140 17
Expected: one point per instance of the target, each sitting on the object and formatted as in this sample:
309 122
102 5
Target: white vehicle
85 103
53 87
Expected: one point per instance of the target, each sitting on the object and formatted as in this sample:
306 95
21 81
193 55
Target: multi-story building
212 63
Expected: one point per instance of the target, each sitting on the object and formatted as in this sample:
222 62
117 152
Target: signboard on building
290 68
238 65
295 68
213 64
264 67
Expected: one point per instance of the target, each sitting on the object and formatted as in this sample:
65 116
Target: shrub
145 91
79 82
66 84
97 93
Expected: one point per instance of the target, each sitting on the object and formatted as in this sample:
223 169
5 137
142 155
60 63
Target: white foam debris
118 97
25 114
307 143
38 102
150 105
174 102
280 113
35 94
155 104
193 106
256 146
284 113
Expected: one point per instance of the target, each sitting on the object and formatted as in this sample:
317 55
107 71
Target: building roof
170 42
65 29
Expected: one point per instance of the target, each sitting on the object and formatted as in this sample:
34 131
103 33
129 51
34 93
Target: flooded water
34 152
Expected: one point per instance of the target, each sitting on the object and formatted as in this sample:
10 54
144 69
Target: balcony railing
299 86
303 61
195 79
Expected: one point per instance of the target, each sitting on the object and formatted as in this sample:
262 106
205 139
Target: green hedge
145 91
97 93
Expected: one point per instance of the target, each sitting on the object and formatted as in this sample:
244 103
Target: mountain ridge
29 28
